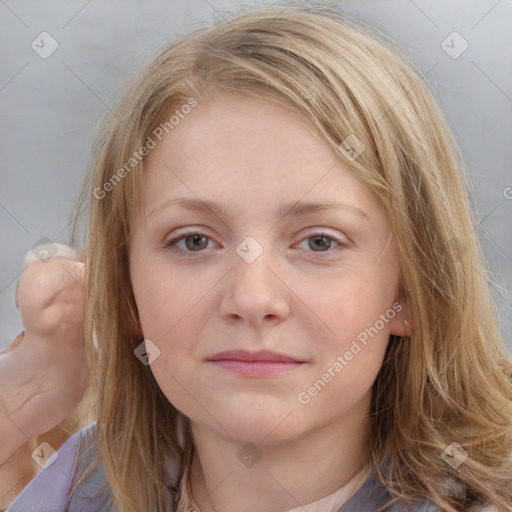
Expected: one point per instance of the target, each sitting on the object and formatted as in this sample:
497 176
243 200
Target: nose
255 292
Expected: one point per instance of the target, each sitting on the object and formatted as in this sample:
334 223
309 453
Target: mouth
255 364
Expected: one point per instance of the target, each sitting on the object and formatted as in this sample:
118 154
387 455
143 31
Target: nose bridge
254 292
251 261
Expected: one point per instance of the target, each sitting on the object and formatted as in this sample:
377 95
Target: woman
236 374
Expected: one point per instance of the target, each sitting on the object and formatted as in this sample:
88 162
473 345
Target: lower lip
256 368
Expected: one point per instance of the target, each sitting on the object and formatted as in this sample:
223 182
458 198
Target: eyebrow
297 209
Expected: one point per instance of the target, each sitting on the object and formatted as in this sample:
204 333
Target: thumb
48 250
44 252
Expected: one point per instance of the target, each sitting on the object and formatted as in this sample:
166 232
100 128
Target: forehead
241 131
240 151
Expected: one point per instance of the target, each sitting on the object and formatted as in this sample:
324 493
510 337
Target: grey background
49 108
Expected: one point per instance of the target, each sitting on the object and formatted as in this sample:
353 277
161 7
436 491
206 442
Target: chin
261 429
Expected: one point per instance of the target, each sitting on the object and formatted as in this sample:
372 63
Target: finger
81 255
54 249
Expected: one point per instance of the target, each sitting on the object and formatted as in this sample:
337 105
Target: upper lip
260 355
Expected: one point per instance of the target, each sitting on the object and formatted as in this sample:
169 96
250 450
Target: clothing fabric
332 502
50 490
338 498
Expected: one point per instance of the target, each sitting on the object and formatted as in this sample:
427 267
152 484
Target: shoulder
50 490
374 494
94 493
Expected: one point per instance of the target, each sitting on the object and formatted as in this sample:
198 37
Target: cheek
165 298
175 385
357 314
350 304
171 311
347 367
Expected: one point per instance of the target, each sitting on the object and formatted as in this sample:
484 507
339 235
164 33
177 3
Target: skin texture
300 297
45 374
44 371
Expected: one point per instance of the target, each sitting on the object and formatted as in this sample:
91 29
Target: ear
402 324
138 330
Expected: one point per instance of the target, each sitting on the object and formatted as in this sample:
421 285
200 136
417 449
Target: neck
286 476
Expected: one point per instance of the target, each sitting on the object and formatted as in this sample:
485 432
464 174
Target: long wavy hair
448 382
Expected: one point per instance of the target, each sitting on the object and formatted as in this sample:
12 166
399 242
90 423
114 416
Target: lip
260 355
255 364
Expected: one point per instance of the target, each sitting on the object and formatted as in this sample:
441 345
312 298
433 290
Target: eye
321 242
196 242
192 242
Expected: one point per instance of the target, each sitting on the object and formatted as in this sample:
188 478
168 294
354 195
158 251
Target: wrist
11 434
18 385
12 437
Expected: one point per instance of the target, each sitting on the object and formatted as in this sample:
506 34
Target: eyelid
340 238
182 232
179 234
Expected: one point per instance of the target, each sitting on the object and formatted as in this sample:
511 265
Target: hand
45 376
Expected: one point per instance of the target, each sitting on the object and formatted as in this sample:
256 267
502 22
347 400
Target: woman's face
271 316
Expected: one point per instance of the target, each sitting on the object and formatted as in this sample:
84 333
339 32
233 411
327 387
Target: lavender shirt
50 490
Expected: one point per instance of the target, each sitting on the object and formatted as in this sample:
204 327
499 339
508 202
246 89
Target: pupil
324 238
196 241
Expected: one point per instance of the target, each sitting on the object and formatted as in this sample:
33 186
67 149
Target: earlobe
136 321
403 322
408 328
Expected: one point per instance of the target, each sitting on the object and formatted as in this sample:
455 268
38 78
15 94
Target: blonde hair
449 382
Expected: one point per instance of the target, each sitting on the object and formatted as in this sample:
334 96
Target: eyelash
170 244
